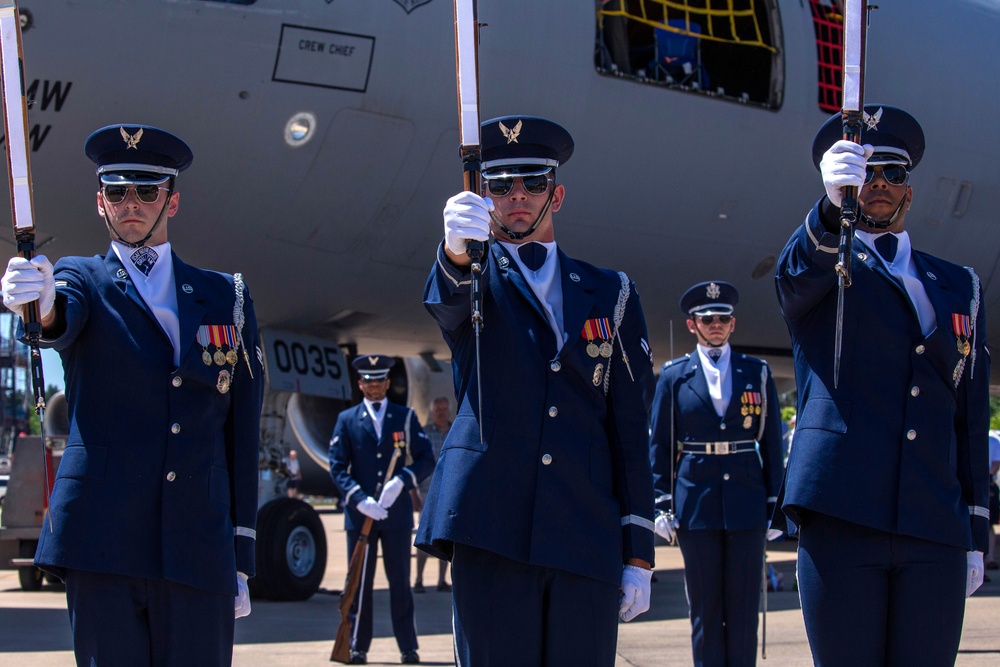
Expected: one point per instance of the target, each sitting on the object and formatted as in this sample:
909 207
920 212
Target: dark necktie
886 245
715 354
144 258
532 254
376 407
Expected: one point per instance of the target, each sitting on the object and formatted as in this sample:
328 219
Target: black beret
711 298
895 135
137 148
522 140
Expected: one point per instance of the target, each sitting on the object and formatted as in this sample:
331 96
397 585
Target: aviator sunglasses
147 193
708 319
894 174
533 185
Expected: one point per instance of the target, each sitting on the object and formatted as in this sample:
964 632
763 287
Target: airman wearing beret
719 411
887 483
153 511
549 513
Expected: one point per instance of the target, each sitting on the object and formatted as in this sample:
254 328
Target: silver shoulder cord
623 295
239 319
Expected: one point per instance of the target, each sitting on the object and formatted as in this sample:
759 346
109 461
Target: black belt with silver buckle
721 447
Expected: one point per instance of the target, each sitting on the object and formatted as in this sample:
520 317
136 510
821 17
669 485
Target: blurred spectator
436 432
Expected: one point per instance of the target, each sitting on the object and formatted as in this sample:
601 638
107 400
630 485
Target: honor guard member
716 426
153 512
887 481
360 452
544 500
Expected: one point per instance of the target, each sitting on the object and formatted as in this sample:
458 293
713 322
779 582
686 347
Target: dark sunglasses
708 319
894 174
116 194
533 185
373 380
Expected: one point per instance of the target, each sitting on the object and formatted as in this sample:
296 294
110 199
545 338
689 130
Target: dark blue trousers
874 598
723 574
396 562
131 622
508 613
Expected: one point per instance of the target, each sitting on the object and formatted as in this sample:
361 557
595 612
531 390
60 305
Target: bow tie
715 354
144 258
532 254
886 244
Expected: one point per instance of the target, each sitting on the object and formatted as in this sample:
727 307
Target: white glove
26 281
976 572
369 507
773 534
466 218
844 166
635 592
390 492
664 526
242 596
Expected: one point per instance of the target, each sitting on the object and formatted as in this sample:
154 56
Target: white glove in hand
25 281
466 218
844 166
664 526
242 596
369 507
976 572
635 592
390 492
773 534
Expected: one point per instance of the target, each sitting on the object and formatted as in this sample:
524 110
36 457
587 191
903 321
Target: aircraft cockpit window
728 49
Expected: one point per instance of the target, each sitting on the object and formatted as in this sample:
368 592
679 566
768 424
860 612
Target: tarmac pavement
34 627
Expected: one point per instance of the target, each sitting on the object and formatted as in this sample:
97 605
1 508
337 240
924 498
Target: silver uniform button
175 428
555 366
379 455
725 476
920 349
553 411
546 459
914 391
722 426
379 473
177 381
911 435
171 476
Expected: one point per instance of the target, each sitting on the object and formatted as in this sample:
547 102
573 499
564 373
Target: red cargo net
828 23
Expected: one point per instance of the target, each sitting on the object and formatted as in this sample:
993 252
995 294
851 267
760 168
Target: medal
206 357
962 326
203 340
231 357
592 350
604 329
598 374
589 332
964 348
219 358
747 421
744 410
222 384
606 349
757 410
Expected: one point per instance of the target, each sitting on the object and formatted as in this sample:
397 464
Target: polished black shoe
409 657
358 658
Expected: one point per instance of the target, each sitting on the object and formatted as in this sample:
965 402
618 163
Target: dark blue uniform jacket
159 476
717 492
901 445
359 462
562 478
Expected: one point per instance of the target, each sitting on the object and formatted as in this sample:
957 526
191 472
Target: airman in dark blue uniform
153 513
542 498
887 481
360 452
715 444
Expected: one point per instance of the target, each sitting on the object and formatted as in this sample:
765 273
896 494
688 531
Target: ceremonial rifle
342 641
852 113
467 79
19 178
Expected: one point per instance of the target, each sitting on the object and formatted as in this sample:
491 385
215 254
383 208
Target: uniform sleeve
805 272
972 430
72 308
662 450
627 432
770 442
421 452
243 441
446 293
340 464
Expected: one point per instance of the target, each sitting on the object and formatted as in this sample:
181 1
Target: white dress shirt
546 283
903 268
377 417
720 389
157 290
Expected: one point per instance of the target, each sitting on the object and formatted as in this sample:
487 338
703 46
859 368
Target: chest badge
222 384
598 374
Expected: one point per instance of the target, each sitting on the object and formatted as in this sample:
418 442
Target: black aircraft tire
30 577
291 550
